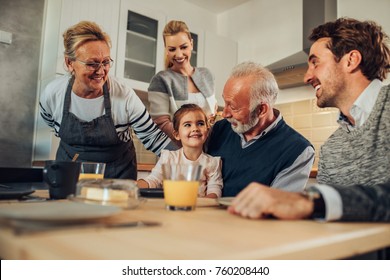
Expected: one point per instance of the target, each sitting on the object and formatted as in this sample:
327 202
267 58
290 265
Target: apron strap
107 103
68 97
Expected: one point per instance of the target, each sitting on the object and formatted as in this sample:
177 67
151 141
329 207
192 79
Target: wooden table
209 232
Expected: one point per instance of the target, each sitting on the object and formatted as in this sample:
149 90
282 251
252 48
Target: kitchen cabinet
194 52
140 44
104 13
141 47
197 55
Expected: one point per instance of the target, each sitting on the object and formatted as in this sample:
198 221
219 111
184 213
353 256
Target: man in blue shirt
253 141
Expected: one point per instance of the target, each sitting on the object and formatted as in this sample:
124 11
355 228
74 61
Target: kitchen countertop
181 235
147 167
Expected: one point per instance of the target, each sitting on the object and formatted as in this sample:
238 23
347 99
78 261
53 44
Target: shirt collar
362 107
245 143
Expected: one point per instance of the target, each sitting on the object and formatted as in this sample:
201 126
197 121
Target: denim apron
96 140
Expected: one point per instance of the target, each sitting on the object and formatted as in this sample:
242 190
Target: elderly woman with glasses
93 113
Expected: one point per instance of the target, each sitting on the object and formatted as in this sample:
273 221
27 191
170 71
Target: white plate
226 201
56 211
14 193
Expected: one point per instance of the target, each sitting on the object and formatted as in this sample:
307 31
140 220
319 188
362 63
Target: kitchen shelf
141 35
135 61
140 47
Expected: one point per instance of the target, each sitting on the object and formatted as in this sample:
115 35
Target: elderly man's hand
259 201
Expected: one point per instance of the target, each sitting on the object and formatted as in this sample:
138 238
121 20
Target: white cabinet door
140 44
220 57
104 13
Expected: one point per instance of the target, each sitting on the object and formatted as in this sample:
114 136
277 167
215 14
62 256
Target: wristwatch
319 210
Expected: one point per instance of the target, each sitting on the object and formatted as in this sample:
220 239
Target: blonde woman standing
180 83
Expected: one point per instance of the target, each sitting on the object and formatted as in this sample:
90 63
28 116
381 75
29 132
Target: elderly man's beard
241 128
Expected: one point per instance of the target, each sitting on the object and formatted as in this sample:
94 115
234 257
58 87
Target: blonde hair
172 28
81 33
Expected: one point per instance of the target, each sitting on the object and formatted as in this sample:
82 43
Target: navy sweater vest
260 162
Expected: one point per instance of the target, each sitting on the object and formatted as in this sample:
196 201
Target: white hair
264 89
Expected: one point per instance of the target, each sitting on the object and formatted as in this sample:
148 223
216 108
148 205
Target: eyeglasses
94 66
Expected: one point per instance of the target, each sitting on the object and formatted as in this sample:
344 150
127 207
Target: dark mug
62 177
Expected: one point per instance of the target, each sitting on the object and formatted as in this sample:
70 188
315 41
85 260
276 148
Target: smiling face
237 105
90 82
178 49
193 129
325 75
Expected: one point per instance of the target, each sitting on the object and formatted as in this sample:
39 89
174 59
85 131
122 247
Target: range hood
289 71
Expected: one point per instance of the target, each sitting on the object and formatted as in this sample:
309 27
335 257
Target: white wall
376 10
267 31
194 16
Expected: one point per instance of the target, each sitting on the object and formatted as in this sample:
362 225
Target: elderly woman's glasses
94 66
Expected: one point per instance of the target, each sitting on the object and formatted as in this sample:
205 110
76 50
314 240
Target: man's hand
258 201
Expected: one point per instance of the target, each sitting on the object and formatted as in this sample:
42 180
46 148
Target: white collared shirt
245 144
362 107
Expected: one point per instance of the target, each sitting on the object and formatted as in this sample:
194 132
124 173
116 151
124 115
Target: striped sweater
128 112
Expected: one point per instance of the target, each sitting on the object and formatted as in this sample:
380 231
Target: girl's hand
142 184
211 119
211 195
214 118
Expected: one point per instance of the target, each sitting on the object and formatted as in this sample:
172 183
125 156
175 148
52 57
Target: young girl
191 128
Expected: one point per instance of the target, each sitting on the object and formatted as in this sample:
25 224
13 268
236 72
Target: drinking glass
92 170
181 183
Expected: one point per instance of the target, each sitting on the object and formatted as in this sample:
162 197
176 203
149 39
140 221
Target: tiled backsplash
316 124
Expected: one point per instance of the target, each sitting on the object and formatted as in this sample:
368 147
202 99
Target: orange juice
180 193
90 176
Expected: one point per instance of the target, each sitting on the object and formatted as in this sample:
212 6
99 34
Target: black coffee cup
62 177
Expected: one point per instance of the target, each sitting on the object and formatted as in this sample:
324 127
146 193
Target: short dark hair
347 34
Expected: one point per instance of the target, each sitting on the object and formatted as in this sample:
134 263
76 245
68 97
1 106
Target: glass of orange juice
181 183
92 170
